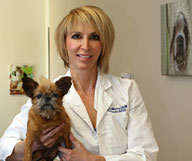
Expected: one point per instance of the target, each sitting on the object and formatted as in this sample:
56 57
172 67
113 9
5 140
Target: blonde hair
95 17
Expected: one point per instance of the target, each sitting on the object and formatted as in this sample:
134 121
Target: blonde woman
109 118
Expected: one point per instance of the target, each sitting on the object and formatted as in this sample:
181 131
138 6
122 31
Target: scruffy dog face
46 96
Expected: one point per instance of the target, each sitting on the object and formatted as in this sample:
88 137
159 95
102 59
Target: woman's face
83 46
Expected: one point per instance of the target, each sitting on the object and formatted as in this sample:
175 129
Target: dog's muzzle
47 106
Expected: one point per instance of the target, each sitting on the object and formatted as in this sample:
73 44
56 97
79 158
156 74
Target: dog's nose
47 98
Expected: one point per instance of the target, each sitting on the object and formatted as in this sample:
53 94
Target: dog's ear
64 84
29 85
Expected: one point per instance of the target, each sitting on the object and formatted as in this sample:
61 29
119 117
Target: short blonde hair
95 17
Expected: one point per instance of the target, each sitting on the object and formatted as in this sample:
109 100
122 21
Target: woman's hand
17 154
79 153
47 138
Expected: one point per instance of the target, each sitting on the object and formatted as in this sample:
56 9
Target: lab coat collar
102 100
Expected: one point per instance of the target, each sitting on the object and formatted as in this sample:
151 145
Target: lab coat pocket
115 132
118 117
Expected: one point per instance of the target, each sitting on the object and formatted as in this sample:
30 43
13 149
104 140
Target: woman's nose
85 44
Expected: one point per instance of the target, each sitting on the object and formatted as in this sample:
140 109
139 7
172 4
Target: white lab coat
123 128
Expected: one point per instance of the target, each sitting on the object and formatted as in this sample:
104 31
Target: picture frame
176 48
17 72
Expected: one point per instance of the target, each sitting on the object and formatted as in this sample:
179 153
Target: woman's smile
84 56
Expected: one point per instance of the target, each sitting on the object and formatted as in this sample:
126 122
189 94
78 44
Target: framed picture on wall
176 38
15 77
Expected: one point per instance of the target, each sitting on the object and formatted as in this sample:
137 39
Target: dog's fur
47 111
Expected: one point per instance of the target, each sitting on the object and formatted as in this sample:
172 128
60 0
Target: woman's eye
76 36
95 37
38 96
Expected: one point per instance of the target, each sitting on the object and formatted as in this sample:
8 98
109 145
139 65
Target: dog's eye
38 96
55 95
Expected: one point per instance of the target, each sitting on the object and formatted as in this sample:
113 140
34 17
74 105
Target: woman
108 115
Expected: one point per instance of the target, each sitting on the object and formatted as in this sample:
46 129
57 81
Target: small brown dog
47 111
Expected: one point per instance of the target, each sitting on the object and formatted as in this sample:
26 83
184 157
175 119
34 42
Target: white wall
168 99
22 41
138 50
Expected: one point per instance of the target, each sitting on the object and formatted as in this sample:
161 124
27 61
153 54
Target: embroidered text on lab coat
117 109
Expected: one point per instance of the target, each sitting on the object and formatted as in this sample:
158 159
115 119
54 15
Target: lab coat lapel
75 103
102 99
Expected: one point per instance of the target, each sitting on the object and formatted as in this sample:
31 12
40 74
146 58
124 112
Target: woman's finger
64 153
50 132
64 150
62 157
52 141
